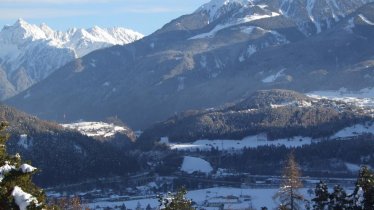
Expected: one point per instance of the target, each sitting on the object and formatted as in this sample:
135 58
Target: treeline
289 197
326 159
69 157
318 119
66 156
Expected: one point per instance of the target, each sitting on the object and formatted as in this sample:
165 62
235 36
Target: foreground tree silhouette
321 199
363 194
176 202
338 199
16 188
288 194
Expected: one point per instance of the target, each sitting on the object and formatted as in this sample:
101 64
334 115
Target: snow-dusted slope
84 41
311 16
96 129
194 164
29 53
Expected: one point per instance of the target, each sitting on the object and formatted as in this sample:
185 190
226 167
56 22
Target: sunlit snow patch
220 27
96 129
248 142
26 168
353 167
23 199
367 21
355 130
24 141
363 98
274 77
5 169
193 164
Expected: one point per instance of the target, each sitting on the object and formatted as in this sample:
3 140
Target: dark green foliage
321 196
16 177
148 207
123 207
362 197
64 156
338 199
265 98
365 183
177 201
325 159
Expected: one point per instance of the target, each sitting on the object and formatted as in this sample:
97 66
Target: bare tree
288 194
68 203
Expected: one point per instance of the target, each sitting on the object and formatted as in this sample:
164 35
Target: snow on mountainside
363 98
29 53
311 16
261 141
194 164
199 61
216 8
84 41
96 129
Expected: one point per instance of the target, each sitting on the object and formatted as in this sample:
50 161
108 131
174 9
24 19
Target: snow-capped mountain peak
215 8
36 51
49 32
20 32
310 16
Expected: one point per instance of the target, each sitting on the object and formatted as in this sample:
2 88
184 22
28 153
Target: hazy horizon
144 16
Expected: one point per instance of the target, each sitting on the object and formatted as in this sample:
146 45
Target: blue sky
144 16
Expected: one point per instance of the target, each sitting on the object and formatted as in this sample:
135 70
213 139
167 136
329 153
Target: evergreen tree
16 188
176 202
321 196
148 207
123 207
357 199
138 206
289 195
338 199
364 186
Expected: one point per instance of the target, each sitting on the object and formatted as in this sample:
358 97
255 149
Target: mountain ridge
276 113
36 51
171 72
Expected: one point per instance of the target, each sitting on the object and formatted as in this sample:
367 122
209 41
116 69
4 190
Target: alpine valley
218 54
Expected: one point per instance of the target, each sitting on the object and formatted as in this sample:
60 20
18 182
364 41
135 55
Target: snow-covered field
363 98
248 142
244 197
261 140
355 130
194 164
95 129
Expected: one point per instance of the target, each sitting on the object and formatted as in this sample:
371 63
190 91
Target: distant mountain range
30 53
221 53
